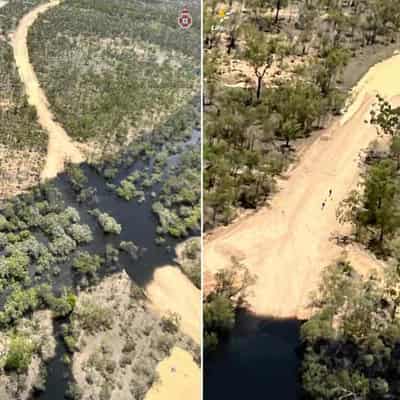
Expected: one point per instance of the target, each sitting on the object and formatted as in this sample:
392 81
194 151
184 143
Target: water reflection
259 360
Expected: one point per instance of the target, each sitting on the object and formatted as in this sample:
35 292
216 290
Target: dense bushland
18 126
351 344
114 69
271 80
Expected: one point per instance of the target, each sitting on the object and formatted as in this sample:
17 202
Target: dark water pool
258 361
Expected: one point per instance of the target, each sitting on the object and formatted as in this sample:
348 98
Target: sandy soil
60 145
171 291
133 323
288 244
19 170
179 378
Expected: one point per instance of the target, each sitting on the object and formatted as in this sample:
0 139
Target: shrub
49 225
80 233
19 354
71 343
15 267
130 248
69 216
107 222
93 317
74 392
63 305
112 254
126 190
3 240
77 176
44 262
87 263
110 173
62 246
87 195
170 323
31 215
30 246
19 302
4 224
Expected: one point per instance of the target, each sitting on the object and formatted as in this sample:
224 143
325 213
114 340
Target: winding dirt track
288 243
60 146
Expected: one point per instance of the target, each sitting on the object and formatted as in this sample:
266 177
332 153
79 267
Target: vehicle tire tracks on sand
287 244
60 146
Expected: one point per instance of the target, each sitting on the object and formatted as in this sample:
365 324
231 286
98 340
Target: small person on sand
330 192
323 205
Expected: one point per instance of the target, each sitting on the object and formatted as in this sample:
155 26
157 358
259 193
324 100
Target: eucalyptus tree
259 52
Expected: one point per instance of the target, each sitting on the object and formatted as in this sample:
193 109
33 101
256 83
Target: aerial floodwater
152 256
259 357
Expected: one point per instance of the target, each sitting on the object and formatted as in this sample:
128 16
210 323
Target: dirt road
60 146
288 244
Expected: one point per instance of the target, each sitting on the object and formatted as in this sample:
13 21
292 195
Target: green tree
377 206
395 150
386 118
259 53
20 353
